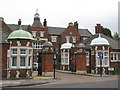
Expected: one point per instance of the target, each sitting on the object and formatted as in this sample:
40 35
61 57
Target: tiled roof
37 23
84 32
59 30
55 30
16 27
113 43
52 30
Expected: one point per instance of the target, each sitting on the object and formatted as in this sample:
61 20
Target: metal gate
40 63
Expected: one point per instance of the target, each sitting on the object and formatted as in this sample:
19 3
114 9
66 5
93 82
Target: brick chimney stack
45 23
1 19
19 22
76 25
98 29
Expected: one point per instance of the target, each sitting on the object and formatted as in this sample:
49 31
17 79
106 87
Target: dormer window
74 39
34 33
53 38
67 39
41 33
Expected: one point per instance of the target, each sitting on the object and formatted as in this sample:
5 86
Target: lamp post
54 58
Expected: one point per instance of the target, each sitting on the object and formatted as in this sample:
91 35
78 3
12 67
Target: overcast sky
60 12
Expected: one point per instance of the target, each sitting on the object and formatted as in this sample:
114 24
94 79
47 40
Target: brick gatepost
47 59
80 58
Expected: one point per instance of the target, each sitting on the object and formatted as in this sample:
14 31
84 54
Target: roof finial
36 10
99 35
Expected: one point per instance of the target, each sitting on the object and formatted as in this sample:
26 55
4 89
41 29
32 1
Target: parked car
35 66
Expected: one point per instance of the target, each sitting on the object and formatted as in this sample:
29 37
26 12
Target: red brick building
71 36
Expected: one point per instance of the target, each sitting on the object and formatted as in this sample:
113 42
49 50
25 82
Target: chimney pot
45 23
19 22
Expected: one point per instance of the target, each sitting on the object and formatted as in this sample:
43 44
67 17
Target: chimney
19 22
70 24
98 29
45 23
1 19
76 25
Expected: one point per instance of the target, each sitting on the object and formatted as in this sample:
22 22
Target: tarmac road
79 81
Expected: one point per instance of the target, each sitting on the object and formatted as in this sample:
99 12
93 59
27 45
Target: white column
27 57
18 57
17 74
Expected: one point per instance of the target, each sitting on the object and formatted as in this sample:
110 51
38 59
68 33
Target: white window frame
24 63
74 39
34 33
42 33
12 62
37 45
115 53
87 58
23 51
53 38
67 39
103 60
14 52
65 58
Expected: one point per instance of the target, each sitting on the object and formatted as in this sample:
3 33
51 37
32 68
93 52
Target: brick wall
81 62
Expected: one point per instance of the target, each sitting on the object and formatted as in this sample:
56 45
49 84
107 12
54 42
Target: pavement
88 74
35 80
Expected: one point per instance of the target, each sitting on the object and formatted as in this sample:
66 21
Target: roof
16 27
84 32
47 44
113 43
59 30
99 41
66 46
4 32
55 30
80 45
37 23
20 34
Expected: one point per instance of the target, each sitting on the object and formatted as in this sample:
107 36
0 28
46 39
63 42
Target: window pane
119 56
22 61
22 51
42 34
29 61
105 61
111 56
14 51
14 61
34 34
115 56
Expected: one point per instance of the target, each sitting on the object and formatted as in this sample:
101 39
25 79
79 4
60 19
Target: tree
116 36
107 32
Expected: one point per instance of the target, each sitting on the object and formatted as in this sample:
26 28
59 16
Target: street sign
100 56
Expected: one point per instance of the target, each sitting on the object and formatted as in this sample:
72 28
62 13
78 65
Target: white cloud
61 12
